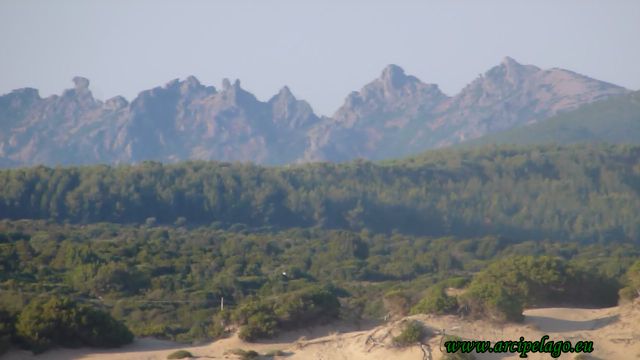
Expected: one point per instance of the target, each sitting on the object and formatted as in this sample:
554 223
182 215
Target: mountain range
393 116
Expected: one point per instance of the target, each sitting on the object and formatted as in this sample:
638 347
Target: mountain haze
393 116
397 115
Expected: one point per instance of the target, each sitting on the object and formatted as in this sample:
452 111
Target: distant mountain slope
394 116
615 121
397 115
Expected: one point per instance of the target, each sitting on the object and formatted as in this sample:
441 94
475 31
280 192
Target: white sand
614 331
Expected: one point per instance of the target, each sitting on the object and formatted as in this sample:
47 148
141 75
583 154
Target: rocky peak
283 98
511 71
80 93
287 110
393 76
190 83
392 92
116 103
226 84
508 61
81 83
234 94
192 86
285 92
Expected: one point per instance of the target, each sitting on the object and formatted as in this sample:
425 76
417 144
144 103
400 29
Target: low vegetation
245 354
44 323
436 301
263 318
413 332
632 289
180 354
169 282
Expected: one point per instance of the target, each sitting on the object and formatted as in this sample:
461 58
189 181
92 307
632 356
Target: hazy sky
321 49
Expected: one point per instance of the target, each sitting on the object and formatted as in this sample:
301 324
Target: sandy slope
615 332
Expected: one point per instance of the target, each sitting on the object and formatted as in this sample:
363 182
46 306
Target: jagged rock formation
393 116
397 115
182 120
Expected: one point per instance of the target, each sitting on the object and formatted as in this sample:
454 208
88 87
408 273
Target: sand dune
614 331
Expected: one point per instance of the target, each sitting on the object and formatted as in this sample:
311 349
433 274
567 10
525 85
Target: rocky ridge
393 116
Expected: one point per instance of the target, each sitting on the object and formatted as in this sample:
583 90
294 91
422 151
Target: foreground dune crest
615 332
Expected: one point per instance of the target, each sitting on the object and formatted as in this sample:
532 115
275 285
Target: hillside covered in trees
614 121
589 193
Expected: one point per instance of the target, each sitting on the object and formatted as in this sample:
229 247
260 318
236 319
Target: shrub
492 301
60 321
217 329
272 353
307 306
180 354
503 289
412 333
436 301
245 354
301 308
633 278
627 294
260 325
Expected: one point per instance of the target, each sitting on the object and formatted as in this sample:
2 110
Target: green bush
504 288
436 301
180 354
220 320
301 308
627 294
633 278
245 354
492 301
272 353
412 333
61 321
260 325
307 306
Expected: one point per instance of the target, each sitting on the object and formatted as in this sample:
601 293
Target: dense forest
586 193
152 249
